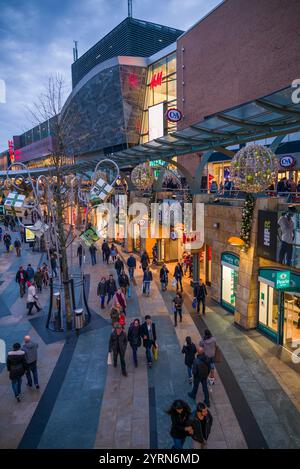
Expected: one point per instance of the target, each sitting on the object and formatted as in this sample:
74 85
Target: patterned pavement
83 403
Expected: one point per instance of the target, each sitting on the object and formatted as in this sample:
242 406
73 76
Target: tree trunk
64 259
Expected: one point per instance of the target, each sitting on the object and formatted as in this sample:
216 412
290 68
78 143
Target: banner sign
90 236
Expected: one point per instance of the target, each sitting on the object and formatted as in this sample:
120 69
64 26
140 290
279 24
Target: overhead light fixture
236 241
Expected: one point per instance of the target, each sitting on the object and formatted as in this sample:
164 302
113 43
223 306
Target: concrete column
196 267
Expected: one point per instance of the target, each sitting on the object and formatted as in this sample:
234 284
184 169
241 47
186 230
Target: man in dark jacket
17 245
145 261
102 291
200 294
80 253
123 281
201 369
163 276
148 334
178 274
93 251
134 338
7 241
21 279
147 279
201 423
16 365
119 266
117 346
131 264
104 248
30 349
111 288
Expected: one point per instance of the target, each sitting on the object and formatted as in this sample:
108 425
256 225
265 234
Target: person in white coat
32 298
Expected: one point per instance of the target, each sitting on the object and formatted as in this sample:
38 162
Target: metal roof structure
273 115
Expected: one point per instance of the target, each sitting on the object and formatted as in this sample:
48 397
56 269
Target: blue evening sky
36 41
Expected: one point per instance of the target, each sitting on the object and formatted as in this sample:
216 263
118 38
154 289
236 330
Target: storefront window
160 93
171 64
268 306
291 318
230 264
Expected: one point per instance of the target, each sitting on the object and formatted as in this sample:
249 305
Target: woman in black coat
189 350
180 413
134 338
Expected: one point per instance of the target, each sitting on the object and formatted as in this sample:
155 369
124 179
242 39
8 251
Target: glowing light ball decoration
254 168
142 176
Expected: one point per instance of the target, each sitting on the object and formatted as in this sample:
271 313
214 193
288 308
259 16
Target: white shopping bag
109 360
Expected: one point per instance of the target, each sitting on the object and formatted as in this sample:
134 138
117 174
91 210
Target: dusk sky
36 40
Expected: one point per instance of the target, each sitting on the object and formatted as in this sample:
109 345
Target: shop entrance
279 310
229 280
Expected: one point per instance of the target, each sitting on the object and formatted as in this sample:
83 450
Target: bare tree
49 108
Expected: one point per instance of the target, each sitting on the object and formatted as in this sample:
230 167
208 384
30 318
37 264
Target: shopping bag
174 282
11 248
194 303
155 352
217 355
109 359
129 291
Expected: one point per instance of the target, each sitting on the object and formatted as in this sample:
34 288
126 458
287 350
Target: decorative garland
247 218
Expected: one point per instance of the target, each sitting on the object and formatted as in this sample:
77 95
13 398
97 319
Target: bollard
79 319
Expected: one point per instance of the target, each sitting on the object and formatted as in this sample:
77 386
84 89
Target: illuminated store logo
287 161
156 80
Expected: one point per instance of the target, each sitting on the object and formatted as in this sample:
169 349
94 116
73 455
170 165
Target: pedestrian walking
16 366
115 314
145 261
148 334
131 264
102 291
163 276
111 288
178 274
104 249
134 338
200 293
119 299
180 414
80 254
177 307
119 266
17 245
53 263
201 423
30 272
107 253
93 251
113 252
45 273
124 282
7 241
189 350
117 346
209 345
201 369
38 278
21 279
32 298
31 356
147 279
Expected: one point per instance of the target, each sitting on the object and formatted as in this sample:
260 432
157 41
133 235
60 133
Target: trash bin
79 318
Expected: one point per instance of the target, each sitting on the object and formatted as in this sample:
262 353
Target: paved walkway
83 403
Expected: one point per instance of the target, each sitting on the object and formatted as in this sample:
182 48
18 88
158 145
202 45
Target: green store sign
231 259
283 279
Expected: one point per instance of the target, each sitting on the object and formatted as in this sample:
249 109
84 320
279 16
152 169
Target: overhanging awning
272 115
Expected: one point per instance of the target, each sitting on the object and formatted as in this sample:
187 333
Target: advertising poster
279 237
90 236
29 235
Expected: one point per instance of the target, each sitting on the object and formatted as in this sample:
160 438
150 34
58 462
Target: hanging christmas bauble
142 176
254 168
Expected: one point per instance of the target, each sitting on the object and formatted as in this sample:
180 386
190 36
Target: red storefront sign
156 80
